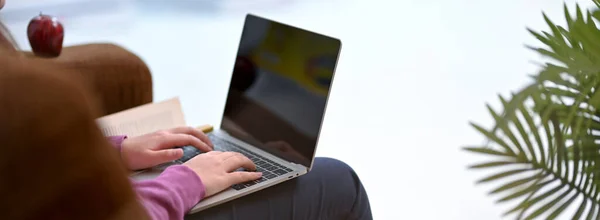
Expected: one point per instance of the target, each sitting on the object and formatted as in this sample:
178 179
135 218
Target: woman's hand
217 170
156 148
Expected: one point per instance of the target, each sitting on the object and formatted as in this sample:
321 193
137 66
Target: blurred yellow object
206 128
298 55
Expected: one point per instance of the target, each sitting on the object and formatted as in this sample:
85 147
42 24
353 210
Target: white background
411 75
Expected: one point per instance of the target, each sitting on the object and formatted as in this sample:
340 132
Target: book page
143 119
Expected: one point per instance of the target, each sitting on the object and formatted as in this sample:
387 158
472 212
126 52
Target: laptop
275 104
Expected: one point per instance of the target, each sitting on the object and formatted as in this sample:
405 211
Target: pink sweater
170 195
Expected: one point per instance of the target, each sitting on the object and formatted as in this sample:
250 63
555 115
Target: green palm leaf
545 142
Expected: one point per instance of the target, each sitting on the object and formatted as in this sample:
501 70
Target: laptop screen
279 88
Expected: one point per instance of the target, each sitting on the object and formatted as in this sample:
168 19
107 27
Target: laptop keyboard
269 169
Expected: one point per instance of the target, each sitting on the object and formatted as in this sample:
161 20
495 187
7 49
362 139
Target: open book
144 119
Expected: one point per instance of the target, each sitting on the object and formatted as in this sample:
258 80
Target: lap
331 190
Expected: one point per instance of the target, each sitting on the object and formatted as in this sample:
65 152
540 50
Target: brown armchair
119 78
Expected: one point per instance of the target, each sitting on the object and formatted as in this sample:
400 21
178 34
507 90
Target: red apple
45 35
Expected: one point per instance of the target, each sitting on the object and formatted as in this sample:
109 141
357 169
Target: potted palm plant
543 152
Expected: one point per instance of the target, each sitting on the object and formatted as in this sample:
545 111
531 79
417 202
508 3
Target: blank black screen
279 88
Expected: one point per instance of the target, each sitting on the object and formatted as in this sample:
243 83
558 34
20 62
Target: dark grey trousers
331 190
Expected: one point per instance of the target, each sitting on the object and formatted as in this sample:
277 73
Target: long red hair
54 161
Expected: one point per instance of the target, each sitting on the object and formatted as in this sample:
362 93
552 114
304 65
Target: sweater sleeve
172 194
116 141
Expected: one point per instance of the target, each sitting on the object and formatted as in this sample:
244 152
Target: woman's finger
233 161
163 156
214 152
242 177
194 132
180 140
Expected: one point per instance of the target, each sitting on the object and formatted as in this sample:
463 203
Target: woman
330 191
55 163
